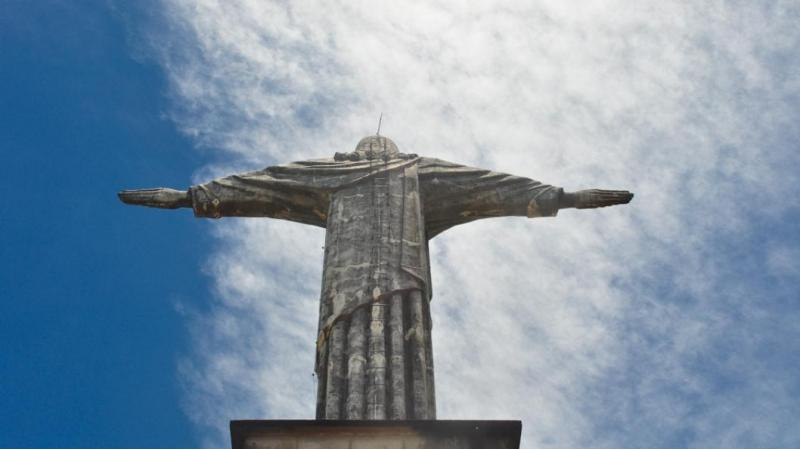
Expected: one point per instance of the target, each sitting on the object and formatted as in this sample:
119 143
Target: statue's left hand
157 198
595 198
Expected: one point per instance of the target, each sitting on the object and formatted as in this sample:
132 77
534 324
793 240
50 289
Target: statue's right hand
599 198
157 198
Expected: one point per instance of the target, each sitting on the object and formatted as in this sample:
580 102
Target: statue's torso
375 243
374 358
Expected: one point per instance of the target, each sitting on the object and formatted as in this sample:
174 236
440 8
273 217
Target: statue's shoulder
306 163
436 163
311 162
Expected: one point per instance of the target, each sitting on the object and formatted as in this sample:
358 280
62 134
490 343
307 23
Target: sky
670 322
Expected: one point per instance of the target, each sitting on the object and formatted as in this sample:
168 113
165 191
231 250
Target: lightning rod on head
380 119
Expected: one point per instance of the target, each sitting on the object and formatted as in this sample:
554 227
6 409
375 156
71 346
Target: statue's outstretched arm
157 198
273 192
454 194
593 198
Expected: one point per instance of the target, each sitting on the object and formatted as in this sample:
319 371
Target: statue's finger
145 197
625 196
608 198
130 197
617 196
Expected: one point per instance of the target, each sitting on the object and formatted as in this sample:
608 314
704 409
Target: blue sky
671 322
89 332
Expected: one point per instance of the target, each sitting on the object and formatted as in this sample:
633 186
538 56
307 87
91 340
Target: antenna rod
380 119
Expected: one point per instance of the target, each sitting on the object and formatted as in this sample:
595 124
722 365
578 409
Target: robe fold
374 356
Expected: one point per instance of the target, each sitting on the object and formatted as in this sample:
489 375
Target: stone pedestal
375 433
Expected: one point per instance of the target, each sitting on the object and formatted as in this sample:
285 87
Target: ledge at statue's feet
375 433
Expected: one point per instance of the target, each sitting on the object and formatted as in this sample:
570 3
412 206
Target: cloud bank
669 322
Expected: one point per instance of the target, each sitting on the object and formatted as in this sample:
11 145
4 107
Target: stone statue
379 208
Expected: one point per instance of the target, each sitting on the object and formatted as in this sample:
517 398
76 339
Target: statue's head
377 147
372 147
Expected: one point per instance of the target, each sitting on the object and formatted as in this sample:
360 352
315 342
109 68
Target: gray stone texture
380 208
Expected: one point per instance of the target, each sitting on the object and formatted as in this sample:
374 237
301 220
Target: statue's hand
598 198
157 198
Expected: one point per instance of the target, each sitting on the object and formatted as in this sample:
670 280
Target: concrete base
375 433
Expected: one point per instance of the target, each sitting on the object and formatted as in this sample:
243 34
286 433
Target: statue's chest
366 220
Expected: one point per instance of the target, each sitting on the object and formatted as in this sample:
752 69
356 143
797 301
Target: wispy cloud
656 324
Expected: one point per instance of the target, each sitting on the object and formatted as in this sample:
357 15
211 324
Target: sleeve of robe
453 194
279 192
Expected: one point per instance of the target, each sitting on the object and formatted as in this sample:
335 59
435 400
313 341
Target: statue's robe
374 358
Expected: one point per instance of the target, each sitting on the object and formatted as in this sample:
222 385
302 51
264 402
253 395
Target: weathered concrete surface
380 208
375 434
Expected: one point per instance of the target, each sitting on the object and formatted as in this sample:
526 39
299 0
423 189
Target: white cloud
591 327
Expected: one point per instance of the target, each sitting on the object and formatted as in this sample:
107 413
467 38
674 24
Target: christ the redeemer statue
379 208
